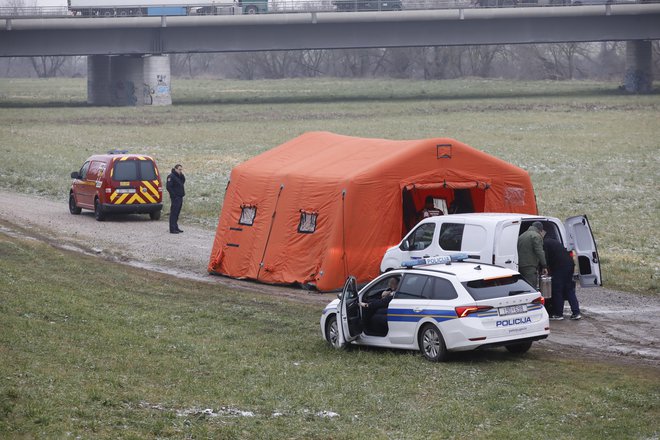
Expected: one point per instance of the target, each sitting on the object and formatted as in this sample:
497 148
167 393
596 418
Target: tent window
443 151
248 213
307 223
514 196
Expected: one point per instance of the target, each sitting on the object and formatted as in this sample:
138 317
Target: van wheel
251 10
73 208
519 348
431 343
98 213
155 215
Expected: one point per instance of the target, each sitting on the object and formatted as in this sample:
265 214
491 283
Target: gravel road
621 326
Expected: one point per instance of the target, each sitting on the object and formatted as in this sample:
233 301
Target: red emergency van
119 183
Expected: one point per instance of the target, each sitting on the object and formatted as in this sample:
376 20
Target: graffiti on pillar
159 94
123 93
638 81
147 94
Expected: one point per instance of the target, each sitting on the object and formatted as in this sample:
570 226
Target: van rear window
498 287
134 170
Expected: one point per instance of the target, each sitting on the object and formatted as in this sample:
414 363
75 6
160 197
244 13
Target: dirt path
615 324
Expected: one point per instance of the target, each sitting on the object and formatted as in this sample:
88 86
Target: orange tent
323 206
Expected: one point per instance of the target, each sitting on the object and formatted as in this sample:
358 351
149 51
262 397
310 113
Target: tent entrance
458 199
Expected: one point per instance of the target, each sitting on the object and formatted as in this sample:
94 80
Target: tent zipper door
270 230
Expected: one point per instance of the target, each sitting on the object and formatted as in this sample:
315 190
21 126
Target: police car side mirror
405 245
75 175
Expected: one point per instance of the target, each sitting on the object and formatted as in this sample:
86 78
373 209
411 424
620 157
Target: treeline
603 60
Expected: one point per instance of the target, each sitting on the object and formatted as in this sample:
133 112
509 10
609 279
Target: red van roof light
116 151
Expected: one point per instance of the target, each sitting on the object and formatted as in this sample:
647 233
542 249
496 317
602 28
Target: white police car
440 305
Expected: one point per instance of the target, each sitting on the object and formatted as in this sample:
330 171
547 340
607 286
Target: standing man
561 267
175 182
531 255
429 209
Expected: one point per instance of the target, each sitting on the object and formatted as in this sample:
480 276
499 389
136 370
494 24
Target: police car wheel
332 331
98 213
431 343
519 348
73 209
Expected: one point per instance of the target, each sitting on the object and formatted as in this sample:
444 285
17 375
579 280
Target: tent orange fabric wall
352 192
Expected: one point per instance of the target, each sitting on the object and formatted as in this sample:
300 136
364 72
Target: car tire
332 331
251 10
73 208
98 211
519 348
155 215
431 343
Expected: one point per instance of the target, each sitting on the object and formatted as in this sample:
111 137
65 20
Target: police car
441 305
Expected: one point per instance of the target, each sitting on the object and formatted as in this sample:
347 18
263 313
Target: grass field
589 148
98 350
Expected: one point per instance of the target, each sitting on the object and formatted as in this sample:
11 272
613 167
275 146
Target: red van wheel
98 212
73 208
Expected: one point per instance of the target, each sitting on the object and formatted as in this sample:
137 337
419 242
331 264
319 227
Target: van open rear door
584 245
505 253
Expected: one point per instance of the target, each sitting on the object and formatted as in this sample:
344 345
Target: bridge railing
293 6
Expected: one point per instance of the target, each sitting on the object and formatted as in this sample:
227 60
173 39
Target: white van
493 238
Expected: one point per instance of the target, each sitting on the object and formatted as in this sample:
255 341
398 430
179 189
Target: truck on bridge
137 8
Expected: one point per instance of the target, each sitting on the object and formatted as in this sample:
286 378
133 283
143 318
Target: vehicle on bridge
367 5
138 8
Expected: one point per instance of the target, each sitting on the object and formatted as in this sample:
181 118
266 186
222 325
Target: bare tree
558 60
480 59
277 64
47 67
434 62
246 65
182 64
400 62
311 61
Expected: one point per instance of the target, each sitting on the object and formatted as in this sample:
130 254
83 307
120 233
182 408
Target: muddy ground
618 326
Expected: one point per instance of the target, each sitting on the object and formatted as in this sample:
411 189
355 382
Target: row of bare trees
604 60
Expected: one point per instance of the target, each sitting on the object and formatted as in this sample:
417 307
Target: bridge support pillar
98 80
126 74
128 80
639 72
157 80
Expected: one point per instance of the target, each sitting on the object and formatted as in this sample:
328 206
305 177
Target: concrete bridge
133 50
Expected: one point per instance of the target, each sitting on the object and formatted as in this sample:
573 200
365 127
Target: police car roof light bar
117 151
444 259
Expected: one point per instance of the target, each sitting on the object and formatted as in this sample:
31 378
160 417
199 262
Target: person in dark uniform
561 265
175 187
375 311
429 209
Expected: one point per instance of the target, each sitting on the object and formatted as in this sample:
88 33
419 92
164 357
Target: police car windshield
497 287
134 170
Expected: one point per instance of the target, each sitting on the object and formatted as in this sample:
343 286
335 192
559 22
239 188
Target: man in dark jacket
175 187
374 312
561 267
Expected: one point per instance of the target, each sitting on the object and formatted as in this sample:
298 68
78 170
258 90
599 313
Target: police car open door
350 322
584 245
